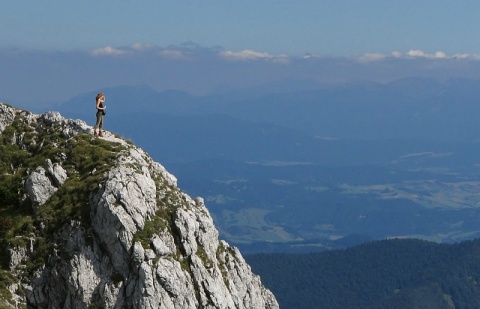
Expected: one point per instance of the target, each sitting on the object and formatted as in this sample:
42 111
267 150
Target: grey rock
164 245
42 184
39 188
150 254
146 245
7 115
138 255
17 256
57 172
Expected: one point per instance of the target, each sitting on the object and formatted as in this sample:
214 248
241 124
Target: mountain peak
96 222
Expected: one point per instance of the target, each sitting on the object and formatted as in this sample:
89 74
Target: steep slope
96 223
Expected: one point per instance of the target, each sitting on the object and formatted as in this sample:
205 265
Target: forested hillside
399 273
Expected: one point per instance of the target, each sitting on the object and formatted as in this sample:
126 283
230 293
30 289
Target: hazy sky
327 28
53 50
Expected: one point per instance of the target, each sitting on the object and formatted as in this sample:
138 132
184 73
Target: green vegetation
202 254
26 146
383 274
157 223
221 250
84 156
5 278
168 202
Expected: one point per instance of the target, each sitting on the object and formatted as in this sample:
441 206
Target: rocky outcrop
56 172
42 184
143 243
7 115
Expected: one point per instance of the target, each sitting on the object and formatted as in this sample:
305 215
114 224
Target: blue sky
53 50
329 28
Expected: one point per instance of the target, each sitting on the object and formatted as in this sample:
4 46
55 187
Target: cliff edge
91 222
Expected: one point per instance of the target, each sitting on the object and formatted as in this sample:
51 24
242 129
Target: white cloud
109 51
396 54
371 57
418 53
462 56
440 55
310 56
466 56
249 54
413 53
246 54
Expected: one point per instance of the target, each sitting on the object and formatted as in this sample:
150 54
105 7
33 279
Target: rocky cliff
96 223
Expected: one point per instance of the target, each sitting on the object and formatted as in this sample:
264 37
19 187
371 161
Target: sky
57 49
332 27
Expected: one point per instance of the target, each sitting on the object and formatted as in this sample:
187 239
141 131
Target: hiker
100 114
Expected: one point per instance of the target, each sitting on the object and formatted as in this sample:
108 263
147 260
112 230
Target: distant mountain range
305 166
413 108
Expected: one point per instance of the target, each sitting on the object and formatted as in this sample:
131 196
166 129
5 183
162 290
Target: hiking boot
100 134
95 133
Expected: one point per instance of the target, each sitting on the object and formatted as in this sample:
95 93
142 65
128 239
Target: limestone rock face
144 243
56 172
39 187
42 184
7 116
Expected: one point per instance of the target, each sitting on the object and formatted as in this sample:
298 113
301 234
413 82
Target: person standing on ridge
100 114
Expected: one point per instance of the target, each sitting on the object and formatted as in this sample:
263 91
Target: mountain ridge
96 222
406 108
